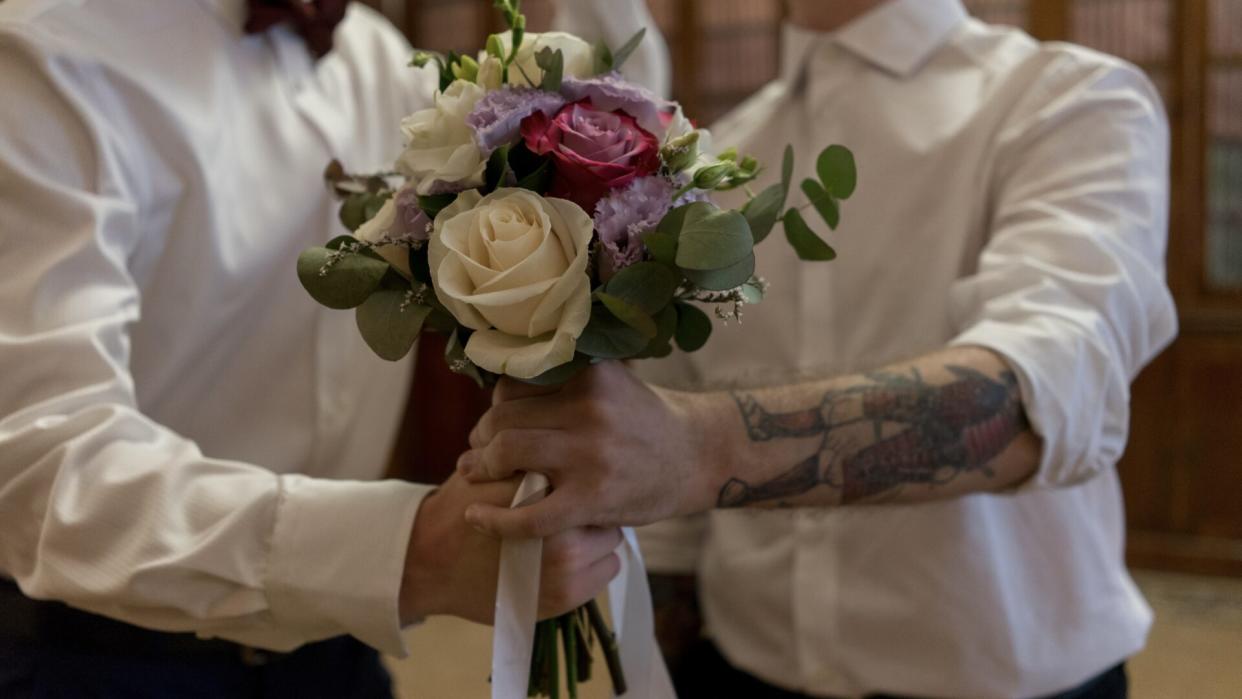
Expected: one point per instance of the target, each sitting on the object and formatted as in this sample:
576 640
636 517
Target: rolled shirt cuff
338 556
673 546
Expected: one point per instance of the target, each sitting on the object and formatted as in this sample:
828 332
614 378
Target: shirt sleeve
614 22
674 546
102 507
1070 288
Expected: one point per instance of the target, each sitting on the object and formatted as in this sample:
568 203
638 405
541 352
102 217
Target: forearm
944 425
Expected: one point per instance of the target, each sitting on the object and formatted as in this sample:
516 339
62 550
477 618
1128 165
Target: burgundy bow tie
315 20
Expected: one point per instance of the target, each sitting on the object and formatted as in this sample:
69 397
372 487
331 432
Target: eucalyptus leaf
389 324
361 207
805 242
497 170
647 285
674 220
666 327
629 313
558 375
608 337
455 354
824 203
712 239
763 211
662 246
725 279
787 166
752 291
836 169
693 328
346 284
433 204
621 55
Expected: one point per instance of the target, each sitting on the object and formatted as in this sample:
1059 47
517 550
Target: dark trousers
50 651
704 673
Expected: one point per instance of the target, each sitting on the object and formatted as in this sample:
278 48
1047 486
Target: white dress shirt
1011 195
186 438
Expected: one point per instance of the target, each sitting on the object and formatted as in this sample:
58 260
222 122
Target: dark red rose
593 151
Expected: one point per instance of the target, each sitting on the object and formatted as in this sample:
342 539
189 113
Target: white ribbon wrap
517 599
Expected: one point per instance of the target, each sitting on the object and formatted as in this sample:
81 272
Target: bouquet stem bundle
576 632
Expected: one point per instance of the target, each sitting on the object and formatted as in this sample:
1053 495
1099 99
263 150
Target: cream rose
579 56
440 152
513 266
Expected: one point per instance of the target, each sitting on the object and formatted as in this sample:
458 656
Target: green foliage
389 321
628 313
824 203
649 286
433 204
764 210
621 55
552 63
752 291
836 169
340 280
693 328
711 239
533 171
455 357
603 58
666 327
497 170
724 279
558 375
608 337
787 166
662 246
805 242
360 207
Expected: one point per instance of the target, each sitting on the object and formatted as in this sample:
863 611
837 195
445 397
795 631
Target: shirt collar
898 36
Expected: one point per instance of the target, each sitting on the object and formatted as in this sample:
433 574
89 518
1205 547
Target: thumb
540 520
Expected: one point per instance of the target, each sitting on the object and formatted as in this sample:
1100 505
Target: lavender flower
610 92
497 117
627 214
409 222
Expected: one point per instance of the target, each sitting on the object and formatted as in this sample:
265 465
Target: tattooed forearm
888 431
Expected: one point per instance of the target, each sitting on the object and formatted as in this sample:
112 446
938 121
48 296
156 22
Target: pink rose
593 152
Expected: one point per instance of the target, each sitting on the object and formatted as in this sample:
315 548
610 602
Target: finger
508 389
553 514
543 413
513 451
559 596
574 549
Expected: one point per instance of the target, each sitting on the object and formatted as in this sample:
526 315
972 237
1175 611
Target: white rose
513 266
377 228
440 148
579 56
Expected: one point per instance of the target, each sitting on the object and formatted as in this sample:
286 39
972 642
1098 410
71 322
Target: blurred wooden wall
1183 470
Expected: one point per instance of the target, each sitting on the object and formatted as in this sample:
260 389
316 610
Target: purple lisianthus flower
610 92
497 116
410 221
627 214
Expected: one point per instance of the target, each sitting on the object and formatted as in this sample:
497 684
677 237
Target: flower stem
608 641
570 644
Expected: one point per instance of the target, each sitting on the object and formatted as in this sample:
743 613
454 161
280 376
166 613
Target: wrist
421 582
703 420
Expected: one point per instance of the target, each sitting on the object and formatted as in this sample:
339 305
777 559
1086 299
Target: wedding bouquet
546 214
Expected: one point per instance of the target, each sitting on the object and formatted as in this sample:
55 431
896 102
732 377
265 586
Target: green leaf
763 211
361 207
666 326
497 168
787 165
662 246
629 313
433 204
558 375
608 337
712 239
455 356
752 291
346 284
836 169
725 279
621 55
603 58
823 202
693 328
805 242
389 329
552 63
539 179
674 221
647 285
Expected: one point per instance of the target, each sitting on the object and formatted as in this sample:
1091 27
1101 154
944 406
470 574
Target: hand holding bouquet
546 214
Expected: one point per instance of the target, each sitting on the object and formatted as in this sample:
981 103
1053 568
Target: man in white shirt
922 434
188 443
